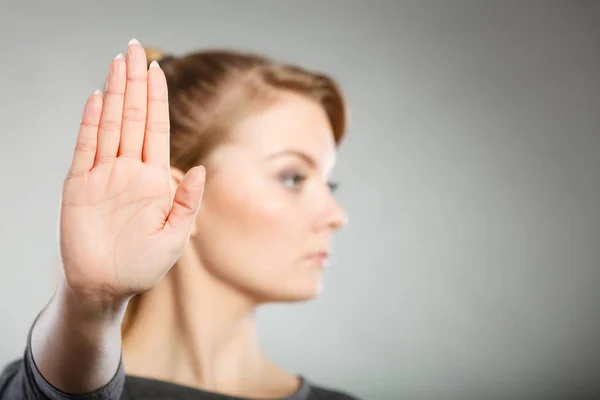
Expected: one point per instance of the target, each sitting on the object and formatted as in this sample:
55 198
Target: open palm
120 228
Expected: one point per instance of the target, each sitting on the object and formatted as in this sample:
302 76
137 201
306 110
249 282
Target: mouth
321 258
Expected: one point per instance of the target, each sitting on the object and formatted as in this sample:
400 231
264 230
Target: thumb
186 202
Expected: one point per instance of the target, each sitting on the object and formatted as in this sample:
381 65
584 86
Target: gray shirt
21 380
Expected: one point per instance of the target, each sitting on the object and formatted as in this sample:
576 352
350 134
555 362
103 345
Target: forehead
291 121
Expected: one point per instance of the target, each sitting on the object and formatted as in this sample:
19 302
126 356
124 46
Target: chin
298 290
299 296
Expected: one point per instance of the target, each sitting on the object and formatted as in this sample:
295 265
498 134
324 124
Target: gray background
471 173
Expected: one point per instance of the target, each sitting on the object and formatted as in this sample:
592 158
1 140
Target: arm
120 233
77 356
73 352
77 348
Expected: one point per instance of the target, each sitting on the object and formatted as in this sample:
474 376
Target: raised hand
120 228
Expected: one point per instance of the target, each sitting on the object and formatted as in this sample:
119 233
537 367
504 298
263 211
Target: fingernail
119 56
133 41
154 64
98 92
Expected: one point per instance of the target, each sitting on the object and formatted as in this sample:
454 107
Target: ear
176 178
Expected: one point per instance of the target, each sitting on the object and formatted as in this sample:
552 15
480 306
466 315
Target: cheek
251 228
253 238
258 214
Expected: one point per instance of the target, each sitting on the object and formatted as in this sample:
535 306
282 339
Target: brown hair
211 91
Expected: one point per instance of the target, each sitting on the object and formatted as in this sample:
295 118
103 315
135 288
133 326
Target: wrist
90 306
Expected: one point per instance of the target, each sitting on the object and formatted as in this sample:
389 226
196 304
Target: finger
86 142
186 202
156 141
109 134
135 102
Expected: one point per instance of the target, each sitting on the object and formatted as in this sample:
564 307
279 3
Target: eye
292 180
333 186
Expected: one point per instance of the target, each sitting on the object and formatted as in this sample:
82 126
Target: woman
157 297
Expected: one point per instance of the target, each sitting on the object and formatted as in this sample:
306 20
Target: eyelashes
292 180
333 186
295 181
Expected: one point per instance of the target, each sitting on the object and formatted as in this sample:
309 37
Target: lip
320 257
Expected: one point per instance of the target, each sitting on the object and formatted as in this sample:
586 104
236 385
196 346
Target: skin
253 241
127 217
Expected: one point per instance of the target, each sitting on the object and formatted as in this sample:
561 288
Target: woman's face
267 213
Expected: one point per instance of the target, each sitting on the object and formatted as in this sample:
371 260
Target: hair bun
153 54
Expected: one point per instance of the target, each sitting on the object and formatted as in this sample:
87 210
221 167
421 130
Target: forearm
77 347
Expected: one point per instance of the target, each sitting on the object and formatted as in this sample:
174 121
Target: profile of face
267 216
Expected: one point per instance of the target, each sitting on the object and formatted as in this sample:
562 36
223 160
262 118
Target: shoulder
8 372
11 368
325 393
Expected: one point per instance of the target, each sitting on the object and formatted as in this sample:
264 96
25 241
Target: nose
335 216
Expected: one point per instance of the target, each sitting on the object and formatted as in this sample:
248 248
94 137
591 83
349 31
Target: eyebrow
296 153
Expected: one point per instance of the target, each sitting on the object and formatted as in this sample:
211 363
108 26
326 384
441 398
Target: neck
195 330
